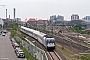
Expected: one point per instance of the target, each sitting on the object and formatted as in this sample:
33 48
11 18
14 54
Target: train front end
50 43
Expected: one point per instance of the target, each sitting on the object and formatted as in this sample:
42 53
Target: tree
78 27
13 25
13 33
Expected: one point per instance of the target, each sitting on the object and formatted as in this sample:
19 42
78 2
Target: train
46 40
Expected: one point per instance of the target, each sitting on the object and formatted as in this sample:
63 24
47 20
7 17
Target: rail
54 56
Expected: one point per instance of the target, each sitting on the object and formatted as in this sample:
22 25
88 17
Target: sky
43 9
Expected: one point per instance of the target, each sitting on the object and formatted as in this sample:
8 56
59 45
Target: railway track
54 56
69 43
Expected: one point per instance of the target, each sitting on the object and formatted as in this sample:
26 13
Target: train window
50 41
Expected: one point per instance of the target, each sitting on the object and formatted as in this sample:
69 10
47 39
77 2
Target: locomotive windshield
50 41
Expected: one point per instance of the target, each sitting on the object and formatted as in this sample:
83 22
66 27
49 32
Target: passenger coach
47 41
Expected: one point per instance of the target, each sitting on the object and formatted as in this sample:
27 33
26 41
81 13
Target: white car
20 53
16 49
15 45
3 34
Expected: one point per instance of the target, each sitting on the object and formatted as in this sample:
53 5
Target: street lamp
36 24
52 30
78 41
26 22
35 48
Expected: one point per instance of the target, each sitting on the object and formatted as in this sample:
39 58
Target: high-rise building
60 17
74 17
17 19
86 18
53 17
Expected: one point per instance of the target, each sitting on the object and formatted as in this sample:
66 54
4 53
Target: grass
85 57
67 53
72 55
22 36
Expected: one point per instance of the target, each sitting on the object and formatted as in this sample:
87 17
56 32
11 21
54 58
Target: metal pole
26 22
79 41
35 49
52 28
78 46
36 24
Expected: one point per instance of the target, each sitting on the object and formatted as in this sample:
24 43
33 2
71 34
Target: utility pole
36 24
52 27
35 50
26 22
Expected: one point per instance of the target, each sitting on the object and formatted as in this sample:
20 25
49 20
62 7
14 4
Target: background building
86 18
74 17
17 19
1 23
53 17
6 21
41 22
32 22
60 17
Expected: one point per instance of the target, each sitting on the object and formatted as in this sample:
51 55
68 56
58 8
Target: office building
17 19
74 17
53 17
60 17
86 18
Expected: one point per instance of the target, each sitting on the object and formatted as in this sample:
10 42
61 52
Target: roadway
6 49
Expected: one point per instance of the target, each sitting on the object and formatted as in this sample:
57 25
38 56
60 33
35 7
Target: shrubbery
85 57
27 55
13 33
78 28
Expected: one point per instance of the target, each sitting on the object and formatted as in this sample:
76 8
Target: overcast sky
43 9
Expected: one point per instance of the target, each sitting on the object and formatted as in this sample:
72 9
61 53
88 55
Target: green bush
13 32
27 55
85 57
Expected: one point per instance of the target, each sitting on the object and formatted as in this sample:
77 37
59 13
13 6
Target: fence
32 49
